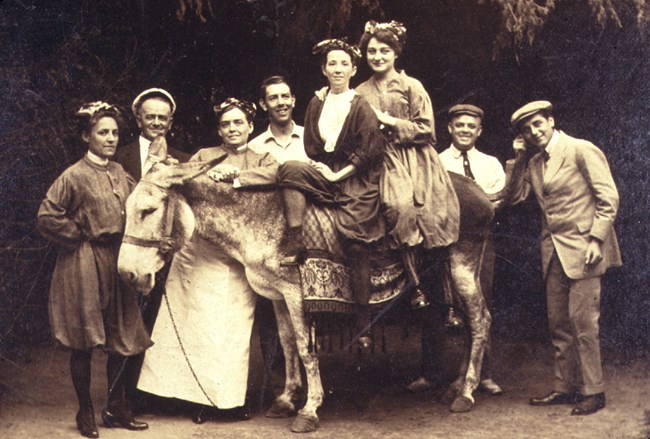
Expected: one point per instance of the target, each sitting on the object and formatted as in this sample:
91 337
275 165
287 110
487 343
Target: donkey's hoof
280 409
461 404
304 423
449 396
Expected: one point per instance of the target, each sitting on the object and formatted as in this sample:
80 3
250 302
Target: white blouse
332 117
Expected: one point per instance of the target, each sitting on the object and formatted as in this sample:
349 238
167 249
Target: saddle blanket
325 275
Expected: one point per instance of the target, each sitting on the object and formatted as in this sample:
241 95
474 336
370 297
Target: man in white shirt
283 139
462 157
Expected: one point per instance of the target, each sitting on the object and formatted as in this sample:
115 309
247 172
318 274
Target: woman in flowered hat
83 212
346 149
208 293
420 203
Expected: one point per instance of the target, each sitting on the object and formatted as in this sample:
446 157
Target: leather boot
86 422
121 416
295 248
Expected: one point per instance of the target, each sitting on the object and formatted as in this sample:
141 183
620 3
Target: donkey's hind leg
465 263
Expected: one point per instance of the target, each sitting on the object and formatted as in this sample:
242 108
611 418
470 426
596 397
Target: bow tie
545 155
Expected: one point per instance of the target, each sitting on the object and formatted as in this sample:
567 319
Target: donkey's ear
202 167
178 173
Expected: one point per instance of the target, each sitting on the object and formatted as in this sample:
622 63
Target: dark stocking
116 379
117 412
295 204
408 260
80 371
358 256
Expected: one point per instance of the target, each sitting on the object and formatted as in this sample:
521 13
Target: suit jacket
129 157
578 200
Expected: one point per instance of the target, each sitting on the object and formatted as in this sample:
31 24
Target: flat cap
472 110
152 93
528 110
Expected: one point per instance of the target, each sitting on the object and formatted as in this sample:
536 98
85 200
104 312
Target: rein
165 243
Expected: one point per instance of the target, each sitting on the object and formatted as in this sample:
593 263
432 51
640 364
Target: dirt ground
365 398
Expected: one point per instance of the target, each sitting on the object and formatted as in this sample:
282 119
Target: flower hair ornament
326 46
396 28
90 109
248 108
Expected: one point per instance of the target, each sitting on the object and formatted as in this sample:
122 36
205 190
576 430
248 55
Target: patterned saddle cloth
325 275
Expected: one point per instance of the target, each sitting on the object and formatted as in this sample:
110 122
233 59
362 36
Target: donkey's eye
146 212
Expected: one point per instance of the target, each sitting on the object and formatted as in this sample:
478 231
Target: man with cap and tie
462 157
154 111
578 199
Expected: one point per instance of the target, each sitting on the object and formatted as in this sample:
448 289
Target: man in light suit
573 185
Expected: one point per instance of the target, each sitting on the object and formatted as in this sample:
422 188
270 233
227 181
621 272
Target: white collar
96 159
457 152
241 148
268 134
552 144
144 142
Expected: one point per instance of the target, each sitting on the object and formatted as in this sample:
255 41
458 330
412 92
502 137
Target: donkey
174 201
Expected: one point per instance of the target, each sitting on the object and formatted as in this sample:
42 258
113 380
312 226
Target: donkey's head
158 222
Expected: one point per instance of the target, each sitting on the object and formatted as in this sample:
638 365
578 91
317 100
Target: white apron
213 308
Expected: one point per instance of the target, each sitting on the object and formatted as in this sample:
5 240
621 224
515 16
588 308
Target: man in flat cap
154 111
462 157
573 185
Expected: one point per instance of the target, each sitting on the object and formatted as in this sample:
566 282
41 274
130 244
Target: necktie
466 168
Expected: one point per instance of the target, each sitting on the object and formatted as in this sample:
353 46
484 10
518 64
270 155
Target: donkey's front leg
284 405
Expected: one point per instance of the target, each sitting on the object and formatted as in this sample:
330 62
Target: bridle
165 243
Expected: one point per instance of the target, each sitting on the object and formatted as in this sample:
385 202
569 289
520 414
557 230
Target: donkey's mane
240 221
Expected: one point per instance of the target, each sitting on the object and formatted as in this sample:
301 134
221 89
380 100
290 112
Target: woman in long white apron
202 334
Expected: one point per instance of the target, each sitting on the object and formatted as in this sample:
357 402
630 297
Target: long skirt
355 200
420 203
202 334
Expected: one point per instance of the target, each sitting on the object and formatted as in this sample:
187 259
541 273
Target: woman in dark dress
346 149
83 212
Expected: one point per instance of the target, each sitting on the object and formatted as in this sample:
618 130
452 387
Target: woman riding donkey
346 148
419 201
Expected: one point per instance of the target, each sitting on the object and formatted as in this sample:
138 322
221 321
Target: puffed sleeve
420 128
264 174
54 215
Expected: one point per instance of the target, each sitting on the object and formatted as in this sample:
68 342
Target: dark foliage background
587 57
